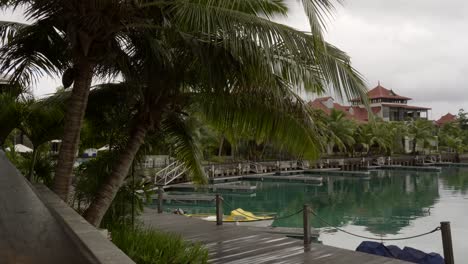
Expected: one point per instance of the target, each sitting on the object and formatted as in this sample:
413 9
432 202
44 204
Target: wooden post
447 242
160 200
219 210
306 224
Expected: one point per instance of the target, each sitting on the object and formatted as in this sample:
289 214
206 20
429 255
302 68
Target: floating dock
410 168
358 174
213 187
450 164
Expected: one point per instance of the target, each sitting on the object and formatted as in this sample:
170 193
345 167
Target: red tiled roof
316 104
321 99
448 118
360 114
382 92
407 106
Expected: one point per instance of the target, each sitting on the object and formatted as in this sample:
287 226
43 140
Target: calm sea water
391 204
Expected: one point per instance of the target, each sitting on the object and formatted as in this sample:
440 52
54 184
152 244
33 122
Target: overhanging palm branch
289 125
32 51
178 135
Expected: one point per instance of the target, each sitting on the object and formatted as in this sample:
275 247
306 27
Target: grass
147 246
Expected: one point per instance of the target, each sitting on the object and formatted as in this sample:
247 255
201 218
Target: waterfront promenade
238 244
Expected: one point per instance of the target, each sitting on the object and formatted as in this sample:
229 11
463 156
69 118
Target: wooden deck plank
237 244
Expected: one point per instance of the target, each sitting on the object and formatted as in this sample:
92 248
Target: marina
390 203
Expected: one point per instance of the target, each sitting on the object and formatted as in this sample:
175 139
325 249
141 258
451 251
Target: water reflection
390 203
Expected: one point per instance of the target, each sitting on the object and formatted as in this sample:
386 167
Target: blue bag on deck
374 248
408 254
417 256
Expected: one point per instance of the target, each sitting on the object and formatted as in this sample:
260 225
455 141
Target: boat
239 217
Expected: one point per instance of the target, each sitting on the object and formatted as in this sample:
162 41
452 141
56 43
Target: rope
335 227
373 238
262 219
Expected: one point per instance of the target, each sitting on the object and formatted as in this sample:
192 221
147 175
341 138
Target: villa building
448 118
384 103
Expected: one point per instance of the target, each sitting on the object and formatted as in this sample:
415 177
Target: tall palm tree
374 135
232 90
451 136
85 37
341 130
43 122
12 112
399 132
13 105
422 131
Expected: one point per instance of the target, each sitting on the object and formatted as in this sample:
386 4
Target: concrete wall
38 227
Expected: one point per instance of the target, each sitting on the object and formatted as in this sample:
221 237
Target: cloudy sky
415 47
418 48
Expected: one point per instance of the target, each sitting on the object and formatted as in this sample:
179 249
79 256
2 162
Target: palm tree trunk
33 162
73 122
414 145
220 149
109 188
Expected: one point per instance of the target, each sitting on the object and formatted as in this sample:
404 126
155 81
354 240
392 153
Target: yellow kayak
237 216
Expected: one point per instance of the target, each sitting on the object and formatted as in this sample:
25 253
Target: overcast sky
415 47
418 48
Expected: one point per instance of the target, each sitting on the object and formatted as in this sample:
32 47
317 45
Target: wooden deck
359 174
213 187
410 168
237 244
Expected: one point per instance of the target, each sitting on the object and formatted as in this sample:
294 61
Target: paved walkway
28 231
236 244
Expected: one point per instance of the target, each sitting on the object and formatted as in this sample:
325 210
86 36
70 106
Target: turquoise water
391 204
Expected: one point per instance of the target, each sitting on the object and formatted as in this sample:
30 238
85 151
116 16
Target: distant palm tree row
387 138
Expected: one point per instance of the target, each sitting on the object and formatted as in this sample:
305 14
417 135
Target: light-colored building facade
384 103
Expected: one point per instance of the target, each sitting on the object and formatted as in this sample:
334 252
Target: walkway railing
169 173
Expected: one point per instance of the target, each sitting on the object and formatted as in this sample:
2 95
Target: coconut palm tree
451 136
374 135
11 113
341 130
399 131
81 39
422 131
233 89
13 105
43 123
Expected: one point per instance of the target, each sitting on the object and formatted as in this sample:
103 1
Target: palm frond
36 50
289 125
8 30
178 136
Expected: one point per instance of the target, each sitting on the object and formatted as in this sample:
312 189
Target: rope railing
335 227
371 238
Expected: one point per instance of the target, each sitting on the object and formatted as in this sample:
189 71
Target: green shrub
147 246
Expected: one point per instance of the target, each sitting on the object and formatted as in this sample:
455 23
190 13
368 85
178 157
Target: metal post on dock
219 210
160 200
447 242
306 224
